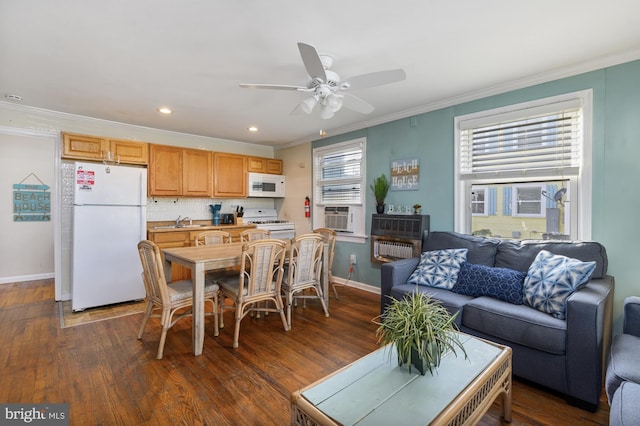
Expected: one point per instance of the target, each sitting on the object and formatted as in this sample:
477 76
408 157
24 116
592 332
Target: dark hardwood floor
108 377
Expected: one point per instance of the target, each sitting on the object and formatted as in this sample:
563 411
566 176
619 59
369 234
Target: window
339 179
525 151
527 200
479 201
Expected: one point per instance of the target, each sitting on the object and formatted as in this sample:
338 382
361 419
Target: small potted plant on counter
421 329
380 188
417 208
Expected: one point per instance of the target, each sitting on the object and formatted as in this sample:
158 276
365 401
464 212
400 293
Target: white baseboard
356 284
23 278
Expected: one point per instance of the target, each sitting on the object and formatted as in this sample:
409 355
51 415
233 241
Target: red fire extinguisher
307 207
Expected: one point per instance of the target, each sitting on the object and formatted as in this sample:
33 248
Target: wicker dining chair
259 280
329 236
212 237
168 297
303 271
254 234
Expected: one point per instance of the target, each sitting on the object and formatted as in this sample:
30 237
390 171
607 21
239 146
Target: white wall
26 248
297 169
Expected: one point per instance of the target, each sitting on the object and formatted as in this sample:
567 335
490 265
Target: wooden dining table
204 258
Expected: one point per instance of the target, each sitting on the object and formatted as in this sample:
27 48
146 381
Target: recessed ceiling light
165 110
253 129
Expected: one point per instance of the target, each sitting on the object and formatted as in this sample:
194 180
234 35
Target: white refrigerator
109 219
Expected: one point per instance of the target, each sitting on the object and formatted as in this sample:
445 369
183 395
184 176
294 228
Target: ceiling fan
327 89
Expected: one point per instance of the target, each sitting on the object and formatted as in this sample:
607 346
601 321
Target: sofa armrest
631 322
392 274
589 318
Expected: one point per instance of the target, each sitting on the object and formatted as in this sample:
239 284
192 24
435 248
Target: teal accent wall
616 167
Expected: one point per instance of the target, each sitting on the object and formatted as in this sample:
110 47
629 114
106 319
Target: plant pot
420 363
380 208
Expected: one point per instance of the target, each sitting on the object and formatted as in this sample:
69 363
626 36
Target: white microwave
265 185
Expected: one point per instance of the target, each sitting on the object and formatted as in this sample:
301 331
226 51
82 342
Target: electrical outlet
352 259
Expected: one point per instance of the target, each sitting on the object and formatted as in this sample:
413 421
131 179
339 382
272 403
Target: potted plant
380 188
421 329
416 208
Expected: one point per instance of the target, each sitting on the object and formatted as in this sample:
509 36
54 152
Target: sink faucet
182 219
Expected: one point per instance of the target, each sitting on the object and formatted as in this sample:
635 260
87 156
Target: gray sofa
568 355
623 371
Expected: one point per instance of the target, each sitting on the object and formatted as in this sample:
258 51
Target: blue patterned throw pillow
551 279
499 283
438 268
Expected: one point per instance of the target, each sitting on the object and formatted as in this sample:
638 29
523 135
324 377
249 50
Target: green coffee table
374 390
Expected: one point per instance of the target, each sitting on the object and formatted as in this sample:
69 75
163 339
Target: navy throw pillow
500 283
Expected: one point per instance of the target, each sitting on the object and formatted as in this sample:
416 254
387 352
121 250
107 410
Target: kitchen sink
178 226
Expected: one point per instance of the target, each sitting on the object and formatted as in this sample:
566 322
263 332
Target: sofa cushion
520 324
438 268
453 302
623 362
625 410
551 279
519 255
500 283
482 250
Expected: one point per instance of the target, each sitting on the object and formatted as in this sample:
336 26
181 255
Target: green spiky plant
421 327
380 188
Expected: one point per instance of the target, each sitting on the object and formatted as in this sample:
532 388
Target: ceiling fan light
308 104
335 102
326 112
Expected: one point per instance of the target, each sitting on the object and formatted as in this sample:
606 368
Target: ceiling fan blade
356 104
373 79
272 86
312 62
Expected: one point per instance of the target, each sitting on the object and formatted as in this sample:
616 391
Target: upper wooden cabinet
177 171
229 175
96 148
197 173
165 170
264 165
129 152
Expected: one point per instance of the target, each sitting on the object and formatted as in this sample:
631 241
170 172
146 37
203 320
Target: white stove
268 219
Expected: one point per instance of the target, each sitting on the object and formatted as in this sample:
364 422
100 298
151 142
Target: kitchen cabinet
165 170
229 175
197 173
96 148
264 165
175 171
173 239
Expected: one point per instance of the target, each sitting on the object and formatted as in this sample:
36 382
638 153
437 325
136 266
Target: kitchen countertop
197 225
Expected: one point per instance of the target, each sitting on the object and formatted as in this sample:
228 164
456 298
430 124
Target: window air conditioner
338 218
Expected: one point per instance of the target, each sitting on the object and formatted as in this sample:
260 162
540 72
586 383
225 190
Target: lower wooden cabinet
173 239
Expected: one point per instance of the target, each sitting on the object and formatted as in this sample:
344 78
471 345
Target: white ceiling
121 59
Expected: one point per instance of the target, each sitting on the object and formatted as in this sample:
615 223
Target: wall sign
31 202
405 175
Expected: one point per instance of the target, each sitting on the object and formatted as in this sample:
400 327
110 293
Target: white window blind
543 140
339 174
